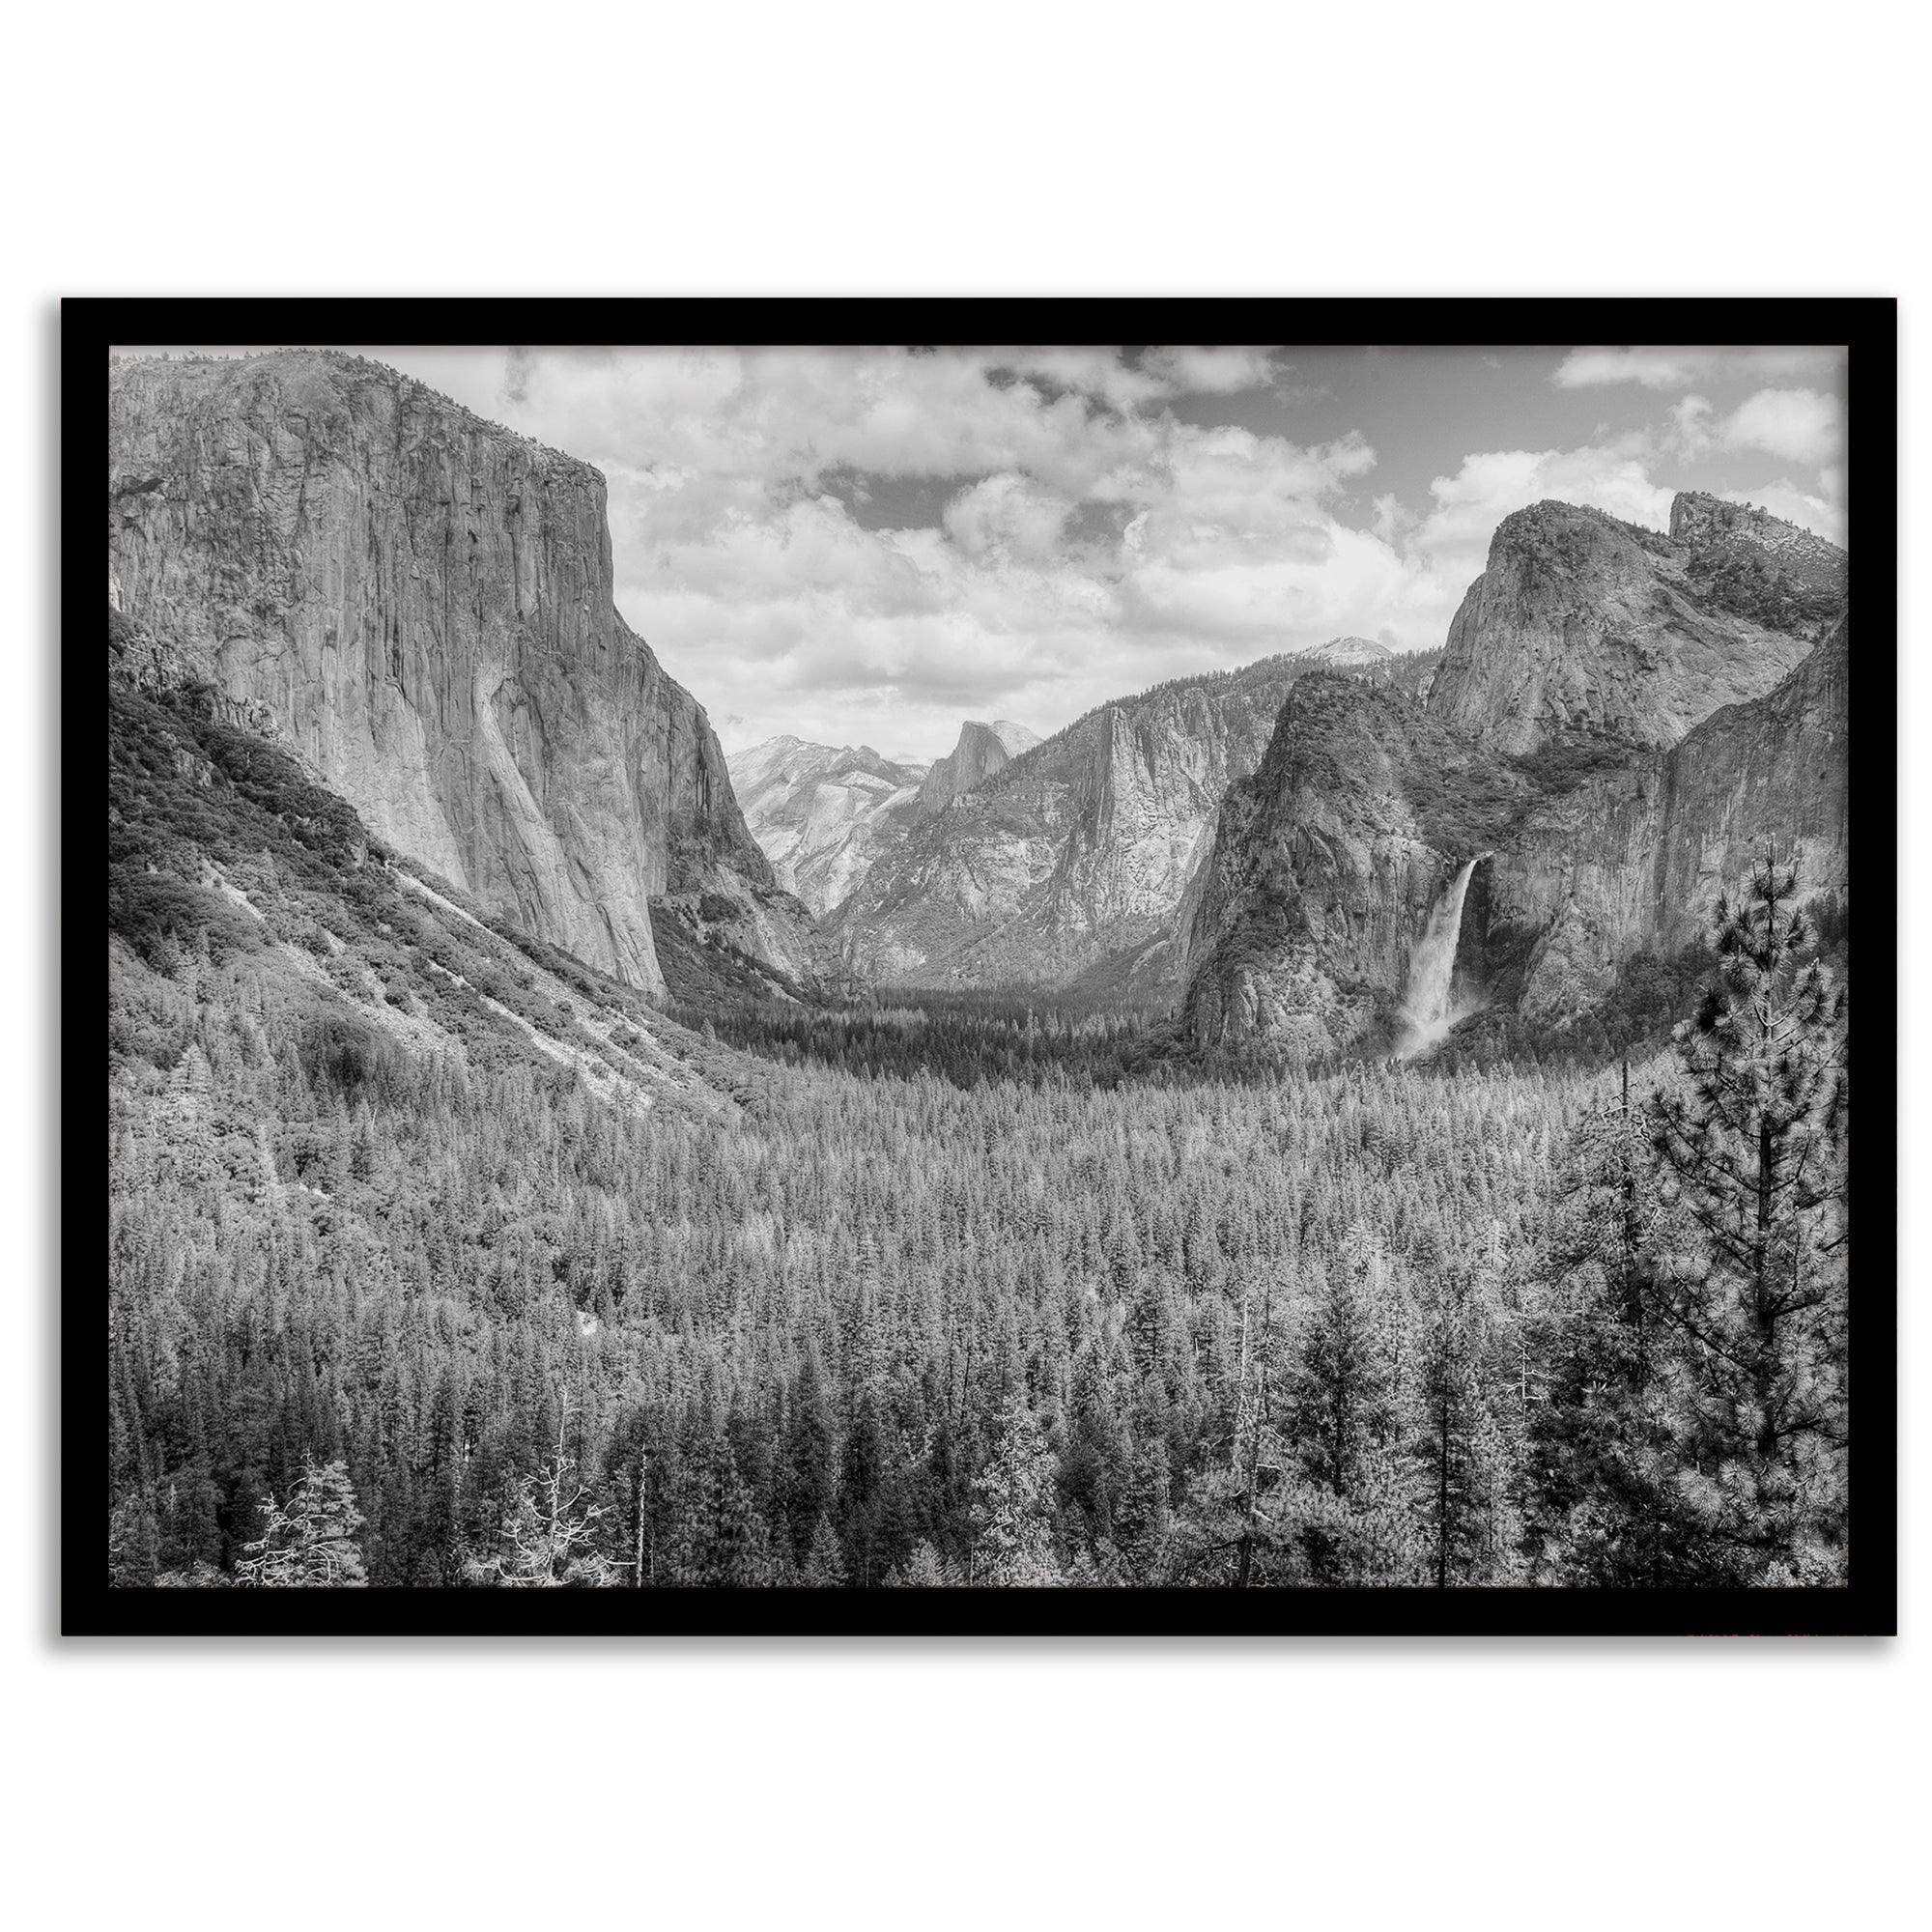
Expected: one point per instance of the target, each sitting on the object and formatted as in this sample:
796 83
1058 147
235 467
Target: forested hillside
485 1325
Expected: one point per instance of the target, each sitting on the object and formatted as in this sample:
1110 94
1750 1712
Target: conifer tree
547 1538
1013 1501
1751 1140
824 1563
133 1542
1605 1504
922 1570
311 1543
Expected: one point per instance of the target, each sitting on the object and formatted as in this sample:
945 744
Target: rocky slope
1071 863
1328 861
823 815
418 604
237 881
1637 859
982 749
1583 626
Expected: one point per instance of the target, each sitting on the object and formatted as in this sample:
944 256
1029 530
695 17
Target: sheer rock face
1326 862
823 816
1072 857
1582 625
982 749
421 602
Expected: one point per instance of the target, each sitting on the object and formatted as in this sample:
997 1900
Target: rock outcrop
1637 859
1585 627
982 749
419 604
1745 559
824 816
1328 860
1325 861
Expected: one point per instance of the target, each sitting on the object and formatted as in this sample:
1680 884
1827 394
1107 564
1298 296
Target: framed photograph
1170 967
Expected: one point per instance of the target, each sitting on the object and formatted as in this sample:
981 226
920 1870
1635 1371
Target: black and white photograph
981 1045
1163 987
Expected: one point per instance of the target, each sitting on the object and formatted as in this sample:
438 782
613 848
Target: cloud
867 546
1452 541
1391 518
1659 368
1065 536
1690 435
1007 515
1798 425
1210 371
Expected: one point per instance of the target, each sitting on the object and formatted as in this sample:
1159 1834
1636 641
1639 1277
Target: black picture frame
1867 1606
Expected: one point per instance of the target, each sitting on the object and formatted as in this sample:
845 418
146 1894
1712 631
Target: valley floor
865 1327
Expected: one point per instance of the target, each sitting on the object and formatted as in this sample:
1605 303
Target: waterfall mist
1426 1009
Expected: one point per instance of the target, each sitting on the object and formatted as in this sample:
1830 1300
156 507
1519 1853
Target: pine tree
1605 1506
922 1570
311 1543
810 1457
1753 1143
1012 1502
824 1564
547 1538
1444 1441
133 1542
732 1545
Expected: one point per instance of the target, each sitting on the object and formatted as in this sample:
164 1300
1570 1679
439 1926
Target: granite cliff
823 815
1594 840
1583 626
418 604
981 751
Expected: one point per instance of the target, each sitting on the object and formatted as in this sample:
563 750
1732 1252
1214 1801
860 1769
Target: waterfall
1426 1011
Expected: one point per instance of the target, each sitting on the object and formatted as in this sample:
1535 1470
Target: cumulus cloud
1211 372
1690 435
1077 538
869 545
1007 515
1452 542
1660 368
1798 425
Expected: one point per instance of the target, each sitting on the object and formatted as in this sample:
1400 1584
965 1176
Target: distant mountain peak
823 813
981 751
1340 651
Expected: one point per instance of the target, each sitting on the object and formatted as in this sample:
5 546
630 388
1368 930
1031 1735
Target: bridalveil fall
1427 1014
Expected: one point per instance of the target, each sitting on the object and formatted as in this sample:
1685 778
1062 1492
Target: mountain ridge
1584 626
1073 861
1587 851
419 604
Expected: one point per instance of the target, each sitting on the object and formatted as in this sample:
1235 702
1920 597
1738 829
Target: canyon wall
420 603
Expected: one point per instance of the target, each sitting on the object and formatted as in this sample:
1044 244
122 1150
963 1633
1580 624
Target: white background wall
1003 148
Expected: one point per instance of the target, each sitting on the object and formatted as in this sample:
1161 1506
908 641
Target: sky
871 545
